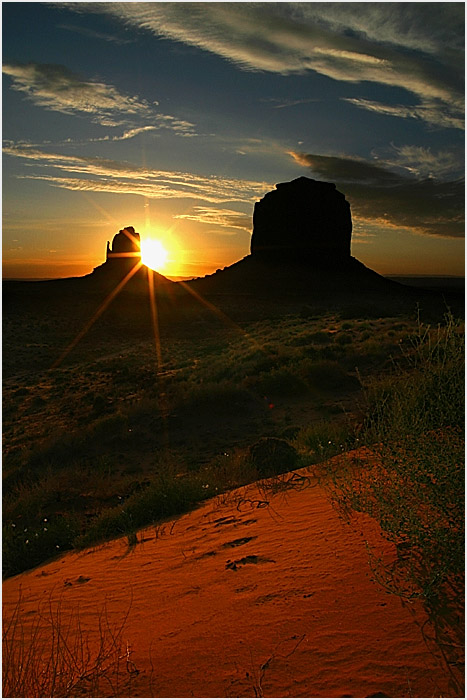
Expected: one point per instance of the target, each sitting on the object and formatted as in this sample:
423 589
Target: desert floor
265 591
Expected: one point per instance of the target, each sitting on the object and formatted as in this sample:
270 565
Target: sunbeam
97 314
223 317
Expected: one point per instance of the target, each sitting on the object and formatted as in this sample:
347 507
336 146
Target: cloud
92 34
126 178
422 162
431 112
56 88
131 133
163 121
289 102
412 26
425 206
227 218
403 45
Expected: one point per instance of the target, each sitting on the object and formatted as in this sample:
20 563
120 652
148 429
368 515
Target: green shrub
282 382
218 397
25 547
318 337
343 339
328 375
272 456
167 496
324 439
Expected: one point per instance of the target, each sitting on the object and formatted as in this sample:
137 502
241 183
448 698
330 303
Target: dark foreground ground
101 398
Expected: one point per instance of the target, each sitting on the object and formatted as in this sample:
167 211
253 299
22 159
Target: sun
153 254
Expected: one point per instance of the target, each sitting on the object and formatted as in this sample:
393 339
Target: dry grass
52 655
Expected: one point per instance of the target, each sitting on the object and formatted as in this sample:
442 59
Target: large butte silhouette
302 220
300 245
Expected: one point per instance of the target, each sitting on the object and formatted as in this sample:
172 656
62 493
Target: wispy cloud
379 195
278 103
403 45
423 162
226 218
161 121
431 112
126 178
131 133
93 34
56 88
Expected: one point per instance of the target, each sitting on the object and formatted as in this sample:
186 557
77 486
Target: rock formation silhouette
302 220
126 244
123 260
300 246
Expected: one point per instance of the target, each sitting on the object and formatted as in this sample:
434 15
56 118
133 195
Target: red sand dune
253 594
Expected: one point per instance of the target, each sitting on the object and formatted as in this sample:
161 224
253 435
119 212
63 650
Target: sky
175 118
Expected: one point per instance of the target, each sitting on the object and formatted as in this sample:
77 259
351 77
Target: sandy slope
260 593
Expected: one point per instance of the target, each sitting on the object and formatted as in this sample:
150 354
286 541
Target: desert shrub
272 456
56 450
318 337
167 495
343 339
62 450
324 439
314 338
99 404
328 375
253 363
106 428
22 391
25 547
281 381
218 397
230 470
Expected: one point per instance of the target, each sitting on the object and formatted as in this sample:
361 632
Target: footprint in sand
251 559
232 520
79 580
225 521
238 543
233 543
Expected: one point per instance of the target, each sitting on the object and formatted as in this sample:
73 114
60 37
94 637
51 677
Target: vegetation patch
413 481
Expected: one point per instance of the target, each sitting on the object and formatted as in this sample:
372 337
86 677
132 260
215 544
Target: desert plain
214 505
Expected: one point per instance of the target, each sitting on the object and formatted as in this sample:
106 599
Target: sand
257 593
